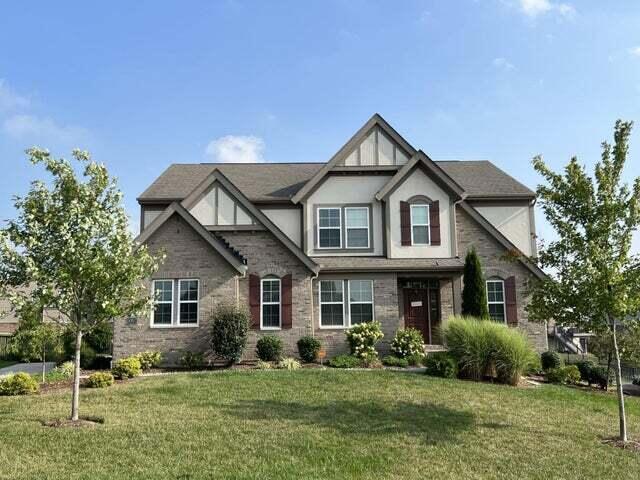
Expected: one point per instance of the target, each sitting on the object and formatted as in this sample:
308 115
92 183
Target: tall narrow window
495 300
332 303
329 228
357 226
163 302
360 301
420 224
270 299
188 295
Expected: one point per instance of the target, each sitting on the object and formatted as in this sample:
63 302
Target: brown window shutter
286 301
510 301
434 222
254 300
405 224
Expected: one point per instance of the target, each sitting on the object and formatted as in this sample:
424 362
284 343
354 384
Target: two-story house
379 232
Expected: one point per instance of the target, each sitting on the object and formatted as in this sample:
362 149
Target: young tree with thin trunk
70 249
37 341
474 291
595 281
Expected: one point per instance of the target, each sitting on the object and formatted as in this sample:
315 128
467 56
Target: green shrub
393 361
441 364
561 375
345 361
363 338
416 360
575 358
126 368
636 380
289 364
149 359
192 360
269 348
471 343
600 377
407 342
486 348
550 360
18 384
308 348
585 368
229 329
513 355
260 365
99 380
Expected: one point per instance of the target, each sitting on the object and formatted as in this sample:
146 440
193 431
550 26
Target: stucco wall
340 190
513 221
288 220
418 183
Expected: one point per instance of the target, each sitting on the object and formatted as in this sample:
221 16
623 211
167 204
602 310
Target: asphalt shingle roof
264 182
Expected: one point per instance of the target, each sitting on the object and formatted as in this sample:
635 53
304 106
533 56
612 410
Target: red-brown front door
416 311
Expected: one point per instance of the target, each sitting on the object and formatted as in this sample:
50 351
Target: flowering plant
362 339
407 342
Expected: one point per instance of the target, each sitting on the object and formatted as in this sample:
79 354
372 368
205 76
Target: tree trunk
44 360
623 420
75 398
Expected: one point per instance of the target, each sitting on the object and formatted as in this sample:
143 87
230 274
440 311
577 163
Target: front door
416 311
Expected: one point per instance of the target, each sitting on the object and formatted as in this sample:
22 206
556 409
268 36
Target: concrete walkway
30 368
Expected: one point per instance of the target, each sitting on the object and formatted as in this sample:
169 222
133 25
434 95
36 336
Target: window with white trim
329 227
495 300
163 303
270 308
188 297
357 226
332 303
360 301
420 224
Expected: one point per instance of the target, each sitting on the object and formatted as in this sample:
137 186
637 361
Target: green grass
7 363
315 424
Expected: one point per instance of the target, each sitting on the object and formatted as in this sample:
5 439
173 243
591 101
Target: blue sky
144 84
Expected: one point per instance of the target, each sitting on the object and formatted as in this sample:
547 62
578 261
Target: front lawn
7 363
317 424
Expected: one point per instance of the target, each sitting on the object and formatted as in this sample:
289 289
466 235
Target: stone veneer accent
494 264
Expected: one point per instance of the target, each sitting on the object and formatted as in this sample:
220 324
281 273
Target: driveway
30 368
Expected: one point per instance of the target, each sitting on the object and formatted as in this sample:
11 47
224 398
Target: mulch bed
628 445
68 423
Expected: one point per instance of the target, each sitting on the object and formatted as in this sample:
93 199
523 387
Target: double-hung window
495 300
163 303
329 228
188 295
357 226
360 301
420 224
270 309
332 303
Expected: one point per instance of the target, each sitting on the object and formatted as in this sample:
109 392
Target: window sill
271 329
187 325
333 327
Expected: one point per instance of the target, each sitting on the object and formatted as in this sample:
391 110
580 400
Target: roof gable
217 177
176 209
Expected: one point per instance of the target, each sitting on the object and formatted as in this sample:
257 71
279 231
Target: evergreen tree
474 293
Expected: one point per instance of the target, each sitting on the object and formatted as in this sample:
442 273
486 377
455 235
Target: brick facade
494 264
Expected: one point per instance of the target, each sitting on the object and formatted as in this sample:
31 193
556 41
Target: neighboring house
379 232
8 324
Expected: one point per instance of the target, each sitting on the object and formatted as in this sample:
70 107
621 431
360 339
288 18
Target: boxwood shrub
561 375
269 348
18 384
149 359
308 348
441 364
550 360
126 368
99 380
393 361
345 361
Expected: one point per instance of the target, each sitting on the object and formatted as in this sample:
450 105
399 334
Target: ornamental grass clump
485 348
363 338
407 342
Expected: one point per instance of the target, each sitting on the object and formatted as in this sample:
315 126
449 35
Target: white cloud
37 128
534 8
236 149
635 51
503 64
10 100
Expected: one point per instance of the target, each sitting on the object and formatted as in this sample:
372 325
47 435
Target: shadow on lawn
430 423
